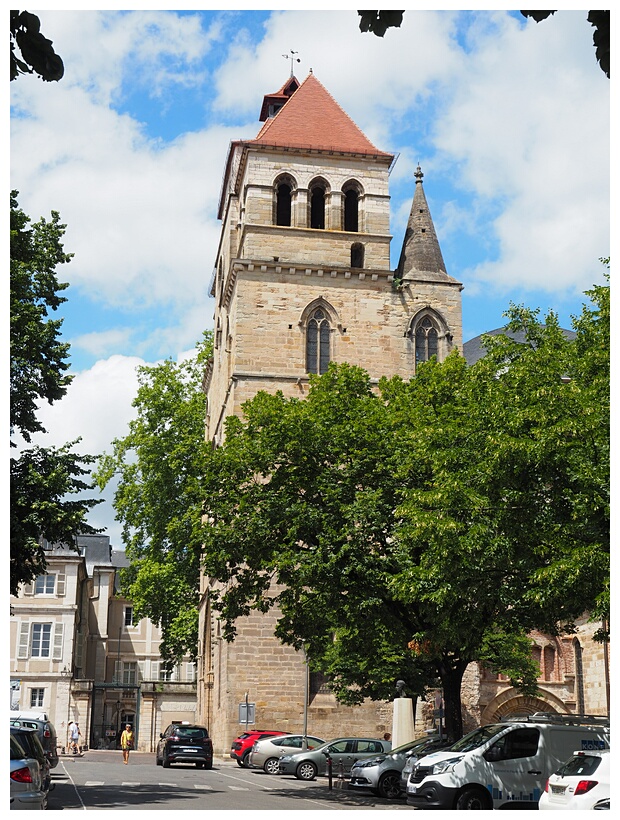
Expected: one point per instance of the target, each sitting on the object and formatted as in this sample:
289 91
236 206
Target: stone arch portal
512 704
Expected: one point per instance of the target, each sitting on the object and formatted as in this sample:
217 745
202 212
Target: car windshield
475 739
190 731
411 746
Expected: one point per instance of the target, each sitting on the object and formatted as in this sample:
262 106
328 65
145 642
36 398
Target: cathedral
302 278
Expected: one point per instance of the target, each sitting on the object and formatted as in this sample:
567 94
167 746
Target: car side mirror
161 734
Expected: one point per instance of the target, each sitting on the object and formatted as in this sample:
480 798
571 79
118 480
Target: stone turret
421 257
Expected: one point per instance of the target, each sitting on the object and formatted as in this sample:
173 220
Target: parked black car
185 743
45 732
30 743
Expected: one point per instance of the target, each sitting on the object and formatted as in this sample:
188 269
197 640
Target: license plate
191 750
558 789
412 789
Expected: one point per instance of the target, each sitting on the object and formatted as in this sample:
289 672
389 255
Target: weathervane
292 58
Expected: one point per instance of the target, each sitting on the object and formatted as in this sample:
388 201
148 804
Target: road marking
170 785
238 788
94 783
129 783
200 786
79 796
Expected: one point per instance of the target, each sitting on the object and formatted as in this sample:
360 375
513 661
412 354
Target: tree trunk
451 676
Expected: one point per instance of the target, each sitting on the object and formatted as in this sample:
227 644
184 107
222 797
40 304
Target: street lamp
67 673
306 676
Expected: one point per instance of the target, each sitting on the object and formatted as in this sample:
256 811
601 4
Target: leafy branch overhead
378 22
43 480
36 51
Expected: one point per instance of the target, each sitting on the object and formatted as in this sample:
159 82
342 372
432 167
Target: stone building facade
302 277
78 653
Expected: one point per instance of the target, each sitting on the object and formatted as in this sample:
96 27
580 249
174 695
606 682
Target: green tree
378 22
408 532
37 53
160 466
42 479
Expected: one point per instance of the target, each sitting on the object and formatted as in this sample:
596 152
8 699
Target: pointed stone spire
421 257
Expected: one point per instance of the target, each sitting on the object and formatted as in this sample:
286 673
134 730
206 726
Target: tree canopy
378 22
43 480
160 466
36 51
399 530
407 531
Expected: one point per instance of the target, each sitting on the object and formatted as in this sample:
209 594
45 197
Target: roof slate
312 119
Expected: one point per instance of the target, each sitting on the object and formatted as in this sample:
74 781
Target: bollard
329 771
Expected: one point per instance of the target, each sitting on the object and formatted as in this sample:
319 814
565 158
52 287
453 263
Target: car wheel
272 766
389 785
306 771
165 762
158 761
200 764
473 798
245 760
239 762
209 764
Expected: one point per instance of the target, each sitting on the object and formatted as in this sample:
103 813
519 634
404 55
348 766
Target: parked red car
242 745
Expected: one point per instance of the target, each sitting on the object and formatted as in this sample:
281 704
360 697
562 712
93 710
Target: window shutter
28 589
154 670
117 672
24 634
60 585
141 669
58 632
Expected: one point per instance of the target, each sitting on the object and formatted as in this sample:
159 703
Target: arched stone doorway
512 704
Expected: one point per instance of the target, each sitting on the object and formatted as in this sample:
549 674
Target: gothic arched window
426 340
317 342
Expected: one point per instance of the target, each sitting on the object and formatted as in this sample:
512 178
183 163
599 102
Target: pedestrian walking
75 738
127 742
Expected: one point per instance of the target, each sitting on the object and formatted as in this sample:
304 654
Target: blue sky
509 120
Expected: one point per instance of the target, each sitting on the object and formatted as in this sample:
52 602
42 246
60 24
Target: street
99 780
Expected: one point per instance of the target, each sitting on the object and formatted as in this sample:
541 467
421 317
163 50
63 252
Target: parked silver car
26 790
343 751
382 774
266 753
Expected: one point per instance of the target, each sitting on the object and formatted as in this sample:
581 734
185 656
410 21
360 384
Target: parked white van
503 763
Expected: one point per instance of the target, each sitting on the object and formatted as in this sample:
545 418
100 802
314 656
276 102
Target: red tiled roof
311 118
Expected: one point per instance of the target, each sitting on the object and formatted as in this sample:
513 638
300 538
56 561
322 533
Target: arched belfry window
426 340
318 331
318 191
351 216
284 188
283 208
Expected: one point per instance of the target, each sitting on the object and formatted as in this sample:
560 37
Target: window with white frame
40 640
36 697
45 585
128 673
129 616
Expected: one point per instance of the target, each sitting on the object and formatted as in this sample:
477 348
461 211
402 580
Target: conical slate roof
421 255
311 119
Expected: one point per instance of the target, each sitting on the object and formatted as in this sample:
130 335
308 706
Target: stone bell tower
302 277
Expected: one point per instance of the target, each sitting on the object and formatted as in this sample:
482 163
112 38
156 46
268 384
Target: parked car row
542 761
33 756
